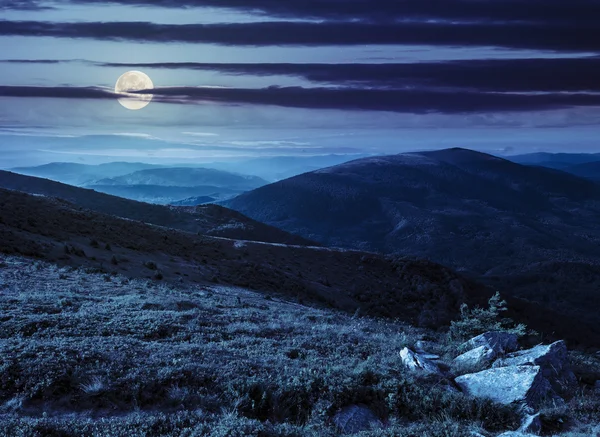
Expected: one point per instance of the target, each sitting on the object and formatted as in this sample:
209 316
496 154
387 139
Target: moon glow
134 81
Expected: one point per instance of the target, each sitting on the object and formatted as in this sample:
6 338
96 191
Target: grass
82 356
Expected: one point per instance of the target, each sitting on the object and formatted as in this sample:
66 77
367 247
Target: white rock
417 363
531 424
515 434
505 385
475 357
553 361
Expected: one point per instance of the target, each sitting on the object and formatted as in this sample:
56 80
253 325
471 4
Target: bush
478 320
150 265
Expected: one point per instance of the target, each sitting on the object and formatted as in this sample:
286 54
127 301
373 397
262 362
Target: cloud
34 61
500 75
560 37
393 100
57 92
558 11
200 134
23 5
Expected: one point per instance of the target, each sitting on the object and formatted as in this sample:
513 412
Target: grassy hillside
87 354
422 292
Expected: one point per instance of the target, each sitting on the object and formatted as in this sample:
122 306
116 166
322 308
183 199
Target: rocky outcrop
485 348
415 362
553 362
499 342
505 385
356 418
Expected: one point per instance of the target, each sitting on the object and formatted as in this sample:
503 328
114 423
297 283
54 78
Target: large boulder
499 342
356 418
507 385
418 363
552 360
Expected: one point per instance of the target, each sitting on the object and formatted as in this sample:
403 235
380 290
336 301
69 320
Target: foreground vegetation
86 354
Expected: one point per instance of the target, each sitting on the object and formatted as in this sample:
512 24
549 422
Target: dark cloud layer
337 98
521 75
22 5
56 92
560 11
577 37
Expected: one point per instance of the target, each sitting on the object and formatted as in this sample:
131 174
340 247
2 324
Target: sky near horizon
252 78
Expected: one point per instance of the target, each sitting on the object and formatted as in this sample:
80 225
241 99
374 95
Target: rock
532 424
505 385
500 342
597 386
417 363
475 357
515 434
356 418
420 347
553 361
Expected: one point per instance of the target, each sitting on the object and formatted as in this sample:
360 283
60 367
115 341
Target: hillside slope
588 170
461 208
420 292
207 219
559 161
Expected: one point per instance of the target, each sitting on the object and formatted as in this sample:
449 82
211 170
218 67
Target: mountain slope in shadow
465 209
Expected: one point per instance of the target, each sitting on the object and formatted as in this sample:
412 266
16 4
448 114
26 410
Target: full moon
134 81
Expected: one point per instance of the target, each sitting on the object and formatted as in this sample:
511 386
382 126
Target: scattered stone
500 342
553 361
515 434
417 363
505 385
476 357
356 418
420 348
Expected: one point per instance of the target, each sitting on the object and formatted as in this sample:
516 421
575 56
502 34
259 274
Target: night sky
246 78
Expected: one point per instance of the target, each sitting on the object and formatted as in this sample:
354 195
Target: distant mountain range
181 184
586 165
185 177
148 183
281 167
80 174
